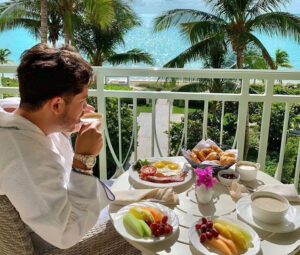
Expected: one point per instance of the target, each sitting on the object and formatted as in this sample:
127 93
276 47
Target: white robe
58 204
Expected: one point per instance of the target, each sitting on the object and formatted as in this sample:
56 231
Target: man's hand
87 109
89 139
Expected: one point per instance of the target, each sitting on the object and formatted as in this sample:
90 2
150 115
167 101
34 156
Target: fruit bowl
241 232
128 234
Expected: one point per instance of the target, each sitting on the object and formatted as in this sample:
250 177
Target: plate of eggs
162 172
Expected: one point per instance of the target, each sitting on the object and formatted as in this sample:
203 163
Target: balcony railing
243 98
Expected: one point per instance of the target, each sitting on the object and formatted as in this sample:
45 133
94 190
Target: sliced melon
141 213
218 244
146 229
133 225
156 213
231 245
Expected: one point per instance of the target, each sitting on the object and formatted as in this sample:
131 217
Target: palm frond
256 42
102 11
277 23
230 9
196 31
197 51
282 59
267 5
177 16
134 55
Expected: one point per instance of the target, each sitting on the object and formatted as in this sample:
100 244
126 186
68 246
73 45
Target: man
55 195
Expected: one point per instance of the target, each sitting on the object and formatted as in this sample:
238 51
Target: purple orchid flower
205 177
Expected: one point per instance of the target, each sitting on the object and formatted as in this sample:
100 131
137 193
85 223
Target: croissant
229 154
226 160
216 148
200 155
206 151
213 156
194 157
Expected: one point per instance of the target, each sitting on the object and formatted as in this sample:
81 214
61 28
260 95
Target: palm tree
254 60
234 21
101 12
27 14
62 15
3 59
99 43
282 60
3 56
44 21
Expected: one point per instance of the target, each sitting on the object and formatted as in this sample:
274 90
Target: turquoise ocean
163 46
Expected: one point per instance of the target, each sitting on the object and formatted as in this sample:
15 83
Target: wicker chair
15 240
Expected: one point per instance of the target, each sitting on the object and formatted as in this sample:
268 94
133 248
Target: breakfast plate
195 240
290 223
179 165
119 226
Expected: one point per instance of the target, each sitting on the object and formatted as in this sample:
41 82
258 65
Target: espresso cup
92 117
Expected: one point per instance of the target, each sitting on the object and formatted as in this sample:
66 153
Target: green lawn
180 110
176 109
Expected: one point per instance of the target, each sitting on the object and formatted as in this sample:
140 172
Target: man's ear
57 105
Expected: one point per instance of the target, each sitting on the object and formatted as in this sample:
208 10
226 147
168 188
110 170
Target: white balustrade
243 99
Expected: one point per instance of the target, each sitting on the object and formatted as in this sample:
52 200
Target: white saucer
194 238
290 223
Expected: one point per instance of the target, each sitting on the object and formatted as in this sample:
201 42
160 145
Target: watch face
90 162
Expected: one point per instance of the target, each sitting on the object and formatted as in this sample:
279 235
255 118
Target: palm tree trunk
66 34
239 59
67 37
43 21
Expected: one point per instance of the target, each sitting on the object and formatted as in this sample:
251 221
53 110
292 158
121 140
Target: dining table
189 211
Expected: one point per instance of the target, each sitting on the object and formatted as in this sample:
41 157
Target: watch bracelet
83 171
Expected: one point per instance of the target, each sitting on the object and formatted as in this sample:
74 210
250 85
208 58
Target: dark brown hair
46 72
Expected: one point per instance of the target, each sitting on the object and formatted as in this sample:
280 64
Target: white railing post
120 129
222 123
242 117
265 124
153 125
297 170
205 117
101 108
1 95
186 115
135 127
283 142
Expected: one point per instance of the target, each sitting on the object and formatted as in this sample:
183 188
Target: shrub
194 129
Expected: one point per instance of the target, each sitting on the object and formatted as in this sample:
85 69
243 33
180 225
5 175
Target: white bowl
271 208
226 181
247 170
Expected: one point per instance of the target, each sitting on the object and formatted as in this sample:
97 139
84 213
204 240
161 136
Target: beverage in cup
91 117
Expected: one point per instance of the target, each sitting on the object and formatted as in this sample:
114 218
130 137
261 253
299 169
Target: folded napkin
163 196
237 191
286 190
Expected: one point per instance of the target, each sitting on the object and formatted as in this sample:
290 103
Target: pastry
216 148
213 156
226 160
194 157
200 155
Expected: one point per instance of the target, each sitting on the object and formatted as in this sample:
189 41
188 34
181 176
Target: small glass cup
93 117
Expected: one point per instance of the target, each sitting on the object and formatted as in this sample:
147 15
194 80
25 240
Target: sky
158 6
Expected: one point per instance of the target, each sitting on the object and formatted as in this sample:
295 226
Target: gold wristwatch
88 160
